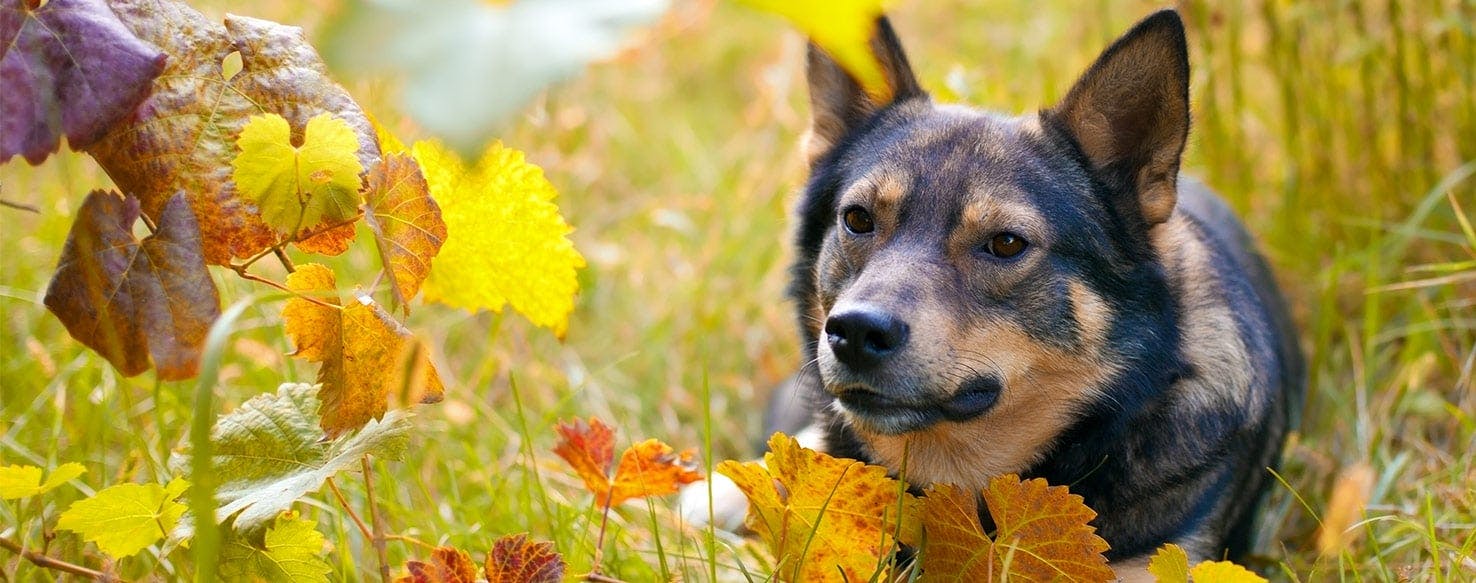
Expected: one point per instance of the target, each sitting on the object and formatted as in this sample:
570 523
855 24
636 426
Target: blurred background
1343 132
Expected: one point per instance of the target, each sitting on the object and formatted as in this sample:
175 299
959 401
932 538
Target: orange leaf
957 547
648 468
406 222
1043 533
825 519
447 565
515 559
367 356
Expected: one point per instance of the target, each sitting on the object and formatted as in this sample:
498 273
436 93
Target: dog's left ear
1129 114
838 104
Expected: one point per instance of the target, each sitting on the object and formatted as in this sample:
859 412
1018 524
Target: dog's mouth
890 415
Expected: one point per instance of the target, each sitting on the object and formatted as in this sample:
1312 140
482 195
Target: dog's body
1040 295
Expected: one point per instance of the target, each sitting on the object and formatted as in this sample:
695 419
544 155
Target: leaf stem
282 256
19 206
598 578
48 562
364 530
599 557
374 519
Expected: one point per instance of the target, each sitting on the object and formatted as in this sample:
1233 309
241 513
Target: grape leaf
1042 532
515 559
68 66
824 518
299 188
957 547
469 64
406 222
132 301
505 240
844 30
270 451
367 356
125 518
1223 572
1170 564
25 481
182 137
447 565
291 551
648 468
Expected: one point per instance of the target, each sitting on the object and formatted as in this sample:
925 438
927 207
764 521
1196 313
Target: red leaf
515 559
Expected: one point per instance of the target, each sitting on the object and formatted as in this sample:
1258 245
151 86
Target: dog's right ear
838 104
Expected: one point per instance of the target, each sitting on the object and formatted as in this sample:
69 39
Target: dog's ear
1129 114
838 103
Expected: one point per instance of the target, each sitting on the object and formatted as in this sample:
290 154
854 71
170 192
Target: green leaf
24 481
125 518
299 188
270 452
292 551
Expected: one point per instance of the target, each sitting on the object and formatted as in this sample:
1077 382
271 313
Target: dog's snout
864 337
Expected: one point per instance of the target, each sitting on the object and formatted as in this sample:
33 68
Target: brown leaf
367 356
69 66
132 301
182 137
406 222
515 559
447 565
1042 532
330 242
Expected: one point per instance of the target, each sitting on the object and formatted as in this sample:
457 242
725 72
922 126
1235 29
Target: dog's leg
729 505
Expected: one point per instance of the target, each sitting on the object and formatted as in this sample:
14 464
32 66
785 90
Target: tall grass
1343 132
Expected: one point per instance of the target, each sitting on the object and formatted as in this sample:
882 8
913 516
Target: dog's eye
1005 245
858 221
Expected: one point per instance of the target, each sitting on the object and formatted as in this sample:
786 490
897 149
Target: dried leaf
406 222
505 240
25 481
270 451
824 518
367 356
648 468
447 565
1170 564
515 559
126 518
299 189
957 547
1345 507
843 29
182 137
291 551
135 301
68 66
1042 532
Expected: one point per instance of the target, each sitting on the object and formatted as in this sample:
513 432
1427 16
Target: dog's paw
728 509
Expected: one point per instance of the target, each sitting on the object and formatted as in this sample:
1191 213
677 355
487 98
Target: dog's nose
862 337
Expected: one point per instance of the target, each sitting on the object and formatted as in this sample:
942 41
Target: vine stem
598 578
364 530
375 521
48 562
599 557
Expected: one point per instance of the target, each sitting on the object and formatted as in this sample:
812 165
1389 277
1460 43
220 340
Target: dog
1041 295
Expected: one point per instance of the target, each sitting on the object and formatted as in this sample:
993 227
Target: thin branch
47 562
374 519
282 256
598 578
19 206
410 539
241 271
364 530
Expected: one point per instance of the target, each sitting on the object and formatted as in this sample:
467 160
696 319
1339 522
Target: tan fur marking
1211 342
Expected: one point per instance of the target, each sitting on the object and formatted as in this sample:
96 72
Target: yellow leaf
506 243
125 518
25 481
299 189
825 519
1042 532
290 551
1170 565
1223 572
367 356
844 29
388 143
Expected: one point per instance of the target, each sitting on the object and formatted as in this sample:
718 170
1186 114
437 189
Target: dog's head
973 274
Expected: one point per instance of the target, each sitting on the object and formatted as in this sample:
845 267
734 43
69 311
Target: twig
364 530
598 578
47 562
19 206
374 519
410 539
282 256
241 271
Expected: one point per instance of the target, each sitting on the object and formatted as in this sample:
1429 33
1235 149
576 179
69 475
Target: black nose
863 337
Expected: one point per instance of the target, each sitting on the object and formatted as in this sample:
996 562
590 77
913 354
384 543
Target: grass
1343 132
